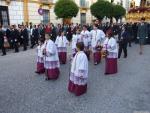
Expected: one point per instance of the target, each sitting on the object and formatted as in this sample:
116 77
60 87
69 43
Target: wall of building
34 16
53 17
15 9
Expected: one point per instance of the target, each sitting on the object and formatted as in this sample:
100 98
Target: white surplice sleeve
113 44
57 41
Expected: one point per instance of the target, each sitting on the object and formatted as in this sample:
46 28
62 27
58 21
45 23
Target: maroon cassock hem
52 73
71 86
63 57
78 90
40 68
111 66
97 57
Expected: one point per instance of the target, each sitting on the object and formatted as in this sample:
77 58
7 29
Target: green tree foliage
118 12
102 8
66 9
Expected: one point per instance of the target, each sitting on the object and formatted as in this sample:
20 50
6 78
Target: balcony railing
46 1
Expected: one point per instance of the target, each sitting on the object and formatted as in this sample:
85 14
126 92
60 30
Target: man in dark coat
34 36
53 33
24 36
148 40
2 41
15 37
130 33
123 42
41 30
8 32
142 34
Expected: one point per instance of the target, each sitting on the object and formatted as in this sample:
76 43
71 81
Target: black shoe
3 54
125 56
47 79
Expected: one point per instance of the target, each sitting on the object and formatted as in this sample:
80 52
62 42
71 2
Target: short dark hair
85 26
110 33
143 18
60 32
41 40
96 25
80 45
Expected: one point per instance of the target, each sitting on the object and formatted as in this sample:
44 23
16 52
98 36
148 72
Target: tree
102 8
66 9
118 12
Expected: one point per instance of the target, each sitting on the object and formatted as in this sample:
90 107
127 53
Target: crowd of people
14 37
96 40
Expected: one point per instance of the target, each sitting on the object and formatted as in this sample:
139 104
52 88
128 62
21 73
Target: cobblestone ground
22 91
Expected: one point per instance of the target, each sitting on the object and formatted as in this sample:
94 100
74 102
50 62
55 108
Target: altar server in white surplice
75 39
61 43
111 49
85 37
79 72
40 57
51 60
97 38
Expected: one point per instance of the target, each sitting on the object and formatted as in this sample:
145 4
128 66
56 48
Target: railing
46 1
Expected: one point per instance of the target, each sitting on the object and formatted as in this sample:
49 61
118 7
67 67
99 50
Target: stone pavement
22 91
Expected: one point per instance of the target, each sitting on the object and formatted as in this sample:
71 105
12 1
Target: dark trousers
3 50
124 48
34 41
16 47
130 41
25 45
11 44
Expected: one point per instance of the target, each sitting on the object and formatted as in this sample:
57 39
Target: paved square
22 91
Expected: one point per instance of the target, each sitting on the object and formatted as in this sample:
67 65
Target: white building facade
26 11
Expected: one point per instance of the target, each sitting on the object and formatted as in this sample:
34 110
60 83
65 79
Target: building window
82 3
83 18
4 18
46 16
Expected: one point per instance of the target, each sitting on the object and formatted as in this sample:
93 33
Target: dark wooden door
4 16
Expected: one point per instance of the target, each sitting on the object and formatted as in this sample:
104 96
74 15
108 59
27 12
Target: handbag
6 43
